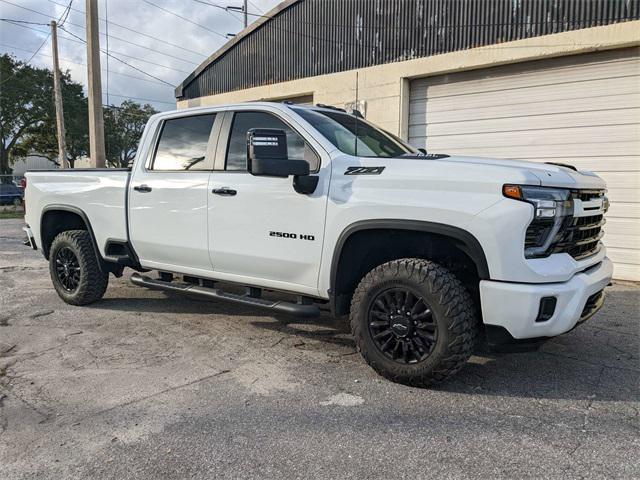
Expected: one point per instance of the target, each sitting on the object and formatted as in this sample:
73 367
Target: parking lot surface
149 385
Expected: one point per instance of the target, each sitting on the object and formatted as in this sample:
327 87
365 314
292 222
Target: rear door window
182 145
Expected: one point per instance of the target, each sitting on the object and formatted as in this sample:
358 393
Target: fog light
547 308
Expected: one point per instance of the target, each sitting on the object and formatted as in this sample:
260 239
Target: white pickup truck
426 253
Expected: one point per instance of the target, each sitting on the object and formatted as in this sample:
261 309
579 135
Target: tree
26 93
44 140
123 128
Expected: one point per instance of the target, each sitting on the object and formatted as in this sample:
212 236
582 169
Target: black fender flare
464 240
85 219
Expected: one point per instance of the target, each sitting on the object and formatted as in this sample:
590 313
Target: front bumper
515 306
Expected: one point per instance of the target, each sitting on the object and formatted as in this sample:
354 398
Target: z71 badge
364 170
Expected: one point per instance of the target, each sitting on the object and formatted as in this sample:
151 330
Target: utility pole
246 14
57 89
96 120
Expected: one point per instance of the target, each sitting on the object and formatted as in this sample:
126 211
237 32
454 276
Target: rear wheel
75 270
413 321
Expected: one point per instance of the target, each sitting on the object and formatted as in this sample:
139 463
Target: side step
290 308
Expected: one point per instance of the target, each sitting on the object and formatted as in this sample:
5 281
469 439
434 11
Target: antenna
356 107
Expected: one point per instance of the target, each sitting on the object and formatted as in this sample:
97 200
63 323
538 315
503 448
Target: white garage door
583 110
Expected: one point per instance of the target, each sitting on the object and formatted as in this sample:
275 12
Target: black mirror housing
266 143
269 167
267 154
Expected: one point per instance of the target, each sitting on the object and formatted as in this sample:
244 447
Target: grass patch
4 215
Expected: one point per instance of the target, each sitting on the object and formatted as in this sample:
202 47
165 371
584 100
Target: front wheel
75 270
413 321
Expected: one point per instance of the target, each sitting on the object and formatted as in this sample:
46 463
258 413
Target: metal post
96 120
57 90
246 14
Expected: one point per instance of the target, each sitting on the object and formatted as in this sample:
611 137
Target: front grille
587 195
578 236
581 237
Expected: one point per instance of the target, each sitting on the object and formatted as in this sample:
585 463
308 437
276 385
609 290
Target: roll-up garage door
583 110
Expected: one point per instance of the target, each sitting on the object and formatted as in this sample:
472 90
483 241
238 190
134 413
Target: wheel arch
59 218
459 238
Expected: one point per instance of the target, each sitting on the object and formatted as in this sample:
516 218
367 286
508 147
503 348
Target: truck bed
100 194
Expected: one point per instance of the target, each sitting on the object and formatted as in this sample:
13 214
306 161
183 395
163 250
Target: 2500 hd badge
292 235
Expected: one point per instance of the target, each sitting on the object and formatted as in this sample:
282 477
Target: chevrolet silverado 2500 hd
424 252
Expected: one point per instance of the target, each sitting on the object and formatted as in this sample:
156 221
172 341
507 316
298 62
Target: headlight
551 208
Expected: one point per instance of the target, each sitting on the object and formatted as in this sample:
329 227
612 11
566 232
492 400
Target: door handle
224 191
142 188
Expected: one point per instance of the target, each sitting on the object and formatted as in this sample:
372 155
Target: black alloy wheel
67 269
402 325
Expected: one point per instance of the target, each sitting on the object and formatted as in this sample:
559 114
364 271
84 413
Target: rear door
168 196
261 231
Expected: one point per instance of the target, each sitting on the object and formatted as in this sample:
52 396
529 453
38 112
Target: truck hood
549 175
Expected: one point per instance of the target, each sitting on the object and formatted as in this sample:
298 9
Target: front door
261 231
168 197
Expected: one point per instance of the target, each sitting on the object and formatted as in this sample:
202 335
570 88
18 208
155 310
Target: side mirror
267 154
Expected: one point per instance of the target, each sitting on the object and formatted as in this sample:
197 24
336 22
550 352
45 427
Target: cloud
168 63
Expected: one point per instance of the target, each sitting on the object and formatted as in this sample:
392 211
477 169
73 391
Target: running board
290 308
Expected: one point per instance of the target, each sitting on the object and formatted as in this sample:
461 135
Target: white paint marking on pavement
344 400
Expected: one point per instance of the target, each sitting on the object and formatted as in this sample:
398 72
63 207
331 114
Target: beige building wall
384 89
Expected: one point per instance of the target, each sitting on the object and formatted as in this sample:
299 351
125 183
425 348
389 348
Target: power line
112 23
120 60
66 13
212 5
41 45
61 20
226 9
25 26
254 6
11 20
117 73
26 8
116 107
106 34
67 60
137 45
118 53
183 18
139 98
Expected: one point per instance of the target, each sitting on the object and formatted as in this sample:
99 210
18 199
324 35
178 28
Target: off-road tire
453 312
93 281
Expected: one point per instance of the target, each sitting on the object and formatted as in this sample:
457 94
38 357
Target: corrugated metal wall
316 37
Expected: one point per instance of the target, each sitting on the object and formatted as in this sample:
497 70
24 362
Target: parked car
10 194
425 253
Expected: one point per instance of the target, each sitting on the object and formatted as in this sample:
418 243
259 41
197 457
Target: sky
141 33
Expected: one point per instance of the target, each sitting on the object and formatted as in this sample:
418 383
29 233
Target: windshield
341 128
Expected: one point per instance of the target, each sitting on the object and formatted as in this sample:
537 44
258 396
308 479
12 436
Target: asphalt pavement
149 385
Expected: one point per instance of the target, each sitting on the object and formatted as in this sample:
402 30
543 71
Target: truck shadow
598 360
